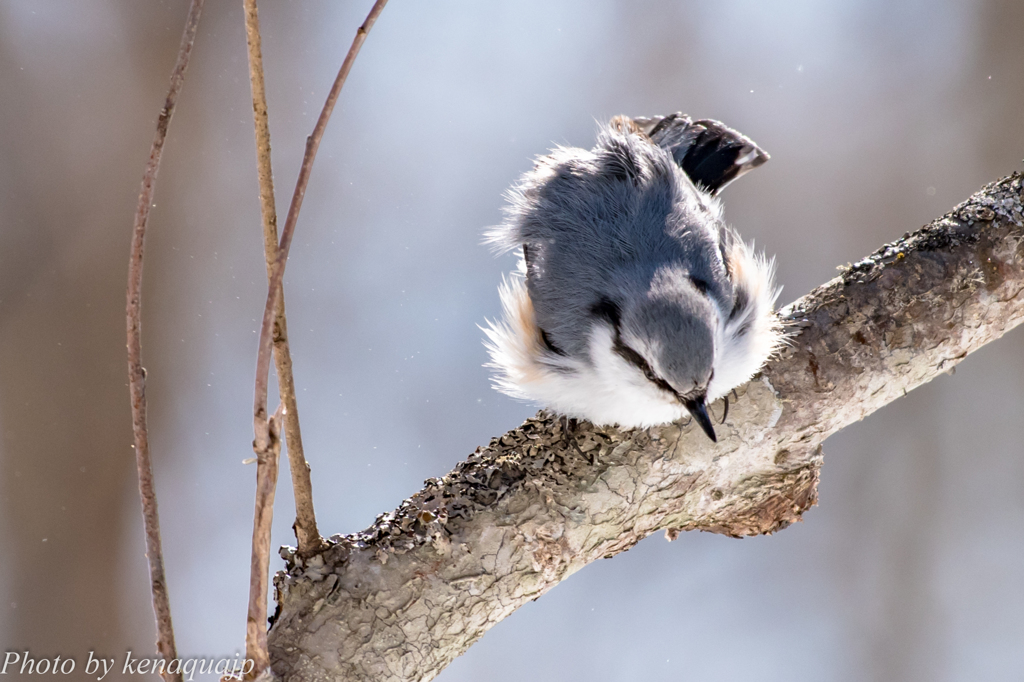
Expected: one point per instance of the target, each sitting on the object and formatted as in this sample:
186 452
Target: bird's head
668 336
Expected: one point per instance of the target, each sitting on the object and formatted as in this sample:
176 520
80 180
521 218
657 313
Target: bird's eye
638 361
700 285
549 344
607 309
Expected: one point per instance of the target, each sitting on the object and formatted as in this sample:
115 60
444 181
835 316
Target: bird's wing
711 154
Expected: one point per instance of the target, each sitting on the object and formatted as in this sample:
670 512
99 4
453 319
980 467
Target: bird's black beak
699 410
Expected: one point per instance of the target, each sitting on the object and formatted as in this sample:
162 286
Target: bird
633 303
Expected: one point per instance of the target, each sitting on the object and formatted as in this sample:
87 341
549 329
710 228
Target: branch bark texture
403 598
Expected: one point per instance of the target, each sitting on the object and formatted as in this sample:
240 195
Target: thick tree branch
401 599
136 372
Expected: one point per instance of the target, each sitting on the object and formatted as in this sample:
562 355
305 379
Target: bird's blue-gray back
598 224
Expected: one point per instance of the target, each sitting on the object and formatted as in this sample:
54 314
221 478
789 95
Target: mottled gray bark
401 599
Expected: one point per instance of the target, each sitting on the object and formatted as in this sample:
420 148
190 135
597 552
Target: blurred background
880 116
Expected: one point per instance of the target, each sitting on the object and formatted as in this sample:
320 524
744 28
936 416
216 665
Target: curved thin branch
306 532
312 144
403 598
267 444
267 462
136 372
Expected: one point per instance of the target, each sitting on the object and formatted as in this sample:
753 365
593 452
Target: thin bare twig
267 462
259 565
306 532
260 422
136 373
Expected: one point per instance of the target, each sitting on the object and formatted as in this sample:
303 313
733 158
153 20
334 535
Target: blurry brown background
879 116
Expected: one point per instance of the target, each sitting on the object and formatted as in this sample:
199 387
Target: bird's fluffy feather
609 219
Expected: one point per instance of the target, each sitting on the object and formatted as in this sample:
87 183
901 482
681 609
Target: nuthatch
634 303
